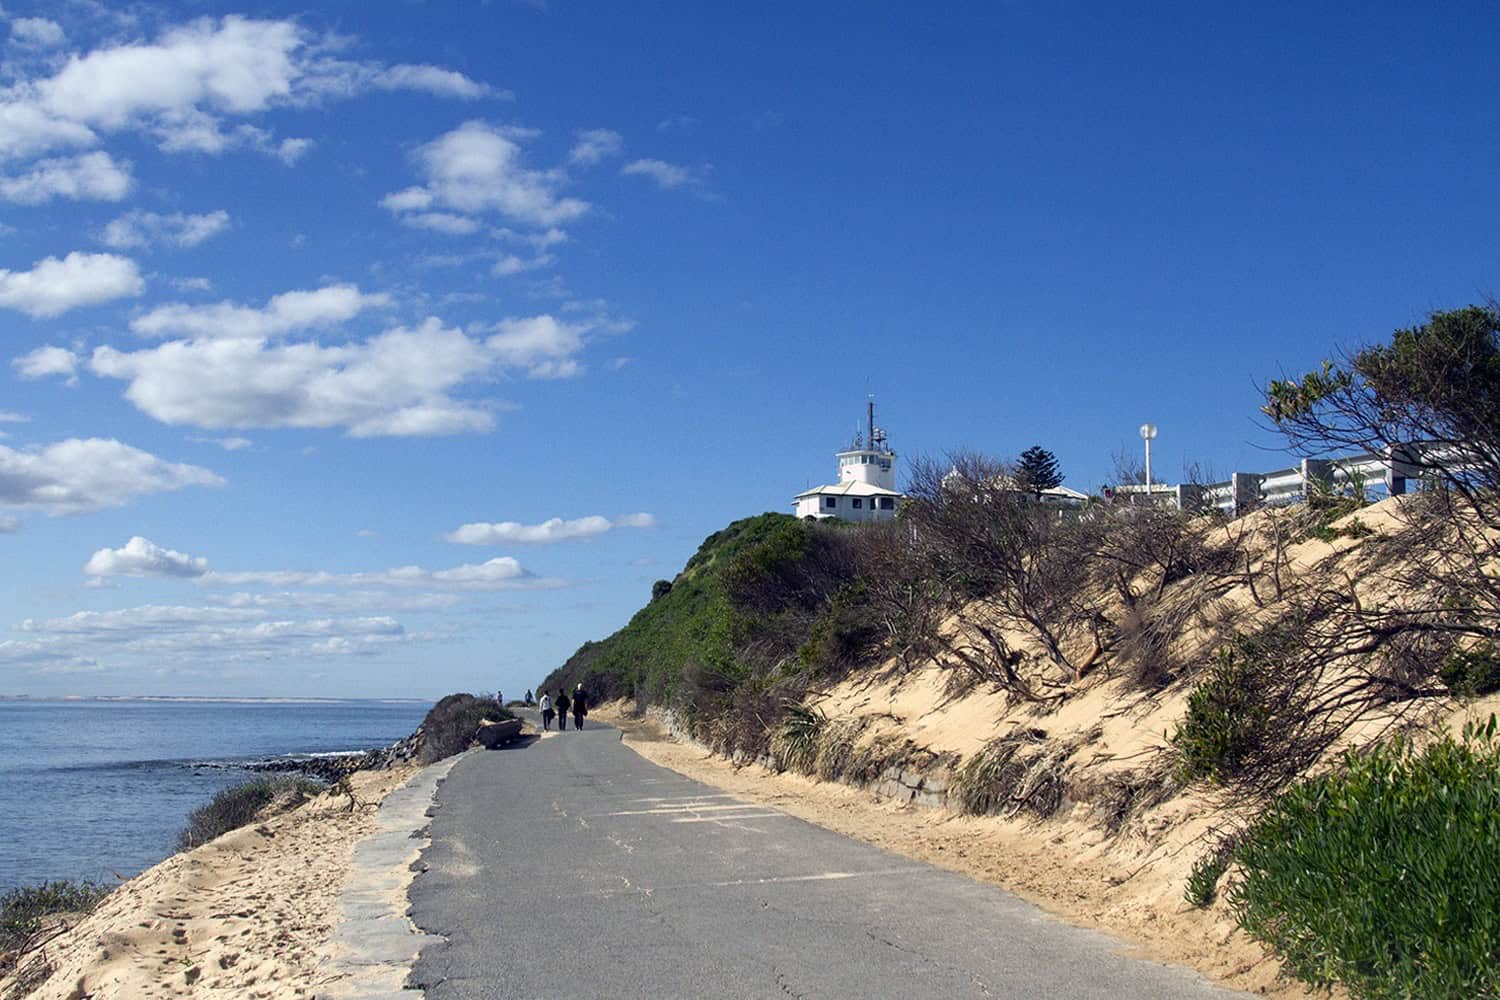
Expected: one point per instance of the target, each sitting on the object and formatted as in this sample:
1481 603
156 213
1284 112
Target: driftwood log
497 734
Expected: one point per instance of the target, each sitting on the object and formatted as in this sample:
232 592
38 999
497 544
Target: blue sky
392 349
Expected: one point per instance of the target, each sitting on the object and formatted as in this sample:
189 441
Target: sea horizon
223 699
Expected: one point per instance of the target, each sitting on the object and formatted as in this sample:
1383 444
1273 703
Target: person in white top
546 706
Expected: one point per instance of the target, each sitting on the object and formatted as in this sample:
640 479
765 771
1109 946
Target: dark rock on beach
331 769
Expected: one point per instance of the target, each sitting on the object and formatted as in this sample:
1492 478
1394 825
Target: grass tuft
22 910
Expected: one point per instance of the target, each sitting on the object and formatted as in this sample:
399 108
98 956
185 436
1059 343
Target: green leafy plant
1203 881
1384 874
1227 716
1472 672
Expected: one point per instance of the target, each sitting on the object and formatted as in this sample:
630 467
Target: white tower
870 460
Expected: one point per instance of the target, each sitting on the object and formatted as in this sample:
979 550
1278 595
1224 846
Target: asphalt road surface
573 867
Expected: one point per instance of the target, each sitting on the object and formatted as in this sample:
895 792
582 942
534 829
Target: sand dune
246 915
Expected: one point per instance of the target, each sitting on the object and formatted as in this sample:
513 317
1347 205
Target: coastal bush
451 724
1227 717
239 805
1472 672
23 909
1203 881
1384 874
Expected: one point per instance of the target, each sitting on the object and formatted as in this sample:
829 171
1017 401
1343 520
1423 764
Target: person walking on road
546 706
562 709
580 706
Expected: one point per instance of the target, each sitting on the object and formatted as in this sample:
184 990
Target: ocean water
91 789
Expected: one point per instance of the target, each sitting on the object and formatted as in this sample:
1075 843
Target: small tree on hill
1037 470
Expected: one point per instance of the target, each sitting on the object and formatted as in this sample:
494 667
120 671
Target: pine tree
1038 470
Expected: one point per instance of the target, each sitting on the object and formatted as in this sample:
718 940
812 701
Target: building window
887 503
830 501
858 503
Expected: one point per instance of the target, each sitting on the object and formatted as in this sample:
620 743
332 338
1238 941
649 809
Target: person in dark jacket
580 706
562 703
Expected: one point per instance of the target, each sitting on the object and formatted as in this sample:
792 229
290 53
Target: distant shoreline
200 700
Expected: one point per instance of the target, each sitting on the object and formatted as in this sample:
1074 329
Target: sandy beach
246 915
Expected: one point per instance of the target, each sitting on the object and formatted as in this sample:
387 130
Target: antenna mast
870 410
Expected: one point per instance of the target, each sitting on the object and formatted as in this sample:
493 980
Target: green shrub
1472 672
796 745
1203 881
1227 716
238 805
451 724
22 910
1384 875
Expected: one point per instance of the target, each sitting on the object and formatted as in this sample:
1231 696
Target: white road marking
824 877
669 810
725 819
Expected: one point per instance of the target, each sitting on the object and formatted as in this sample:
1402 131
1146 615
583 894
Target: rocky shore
331 769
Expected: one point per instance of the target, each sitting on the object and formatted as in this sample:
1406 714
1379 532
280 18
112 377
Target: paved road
573 867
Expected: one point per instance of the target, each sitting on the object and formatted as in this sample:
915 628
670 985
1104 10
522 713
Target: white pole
1148 468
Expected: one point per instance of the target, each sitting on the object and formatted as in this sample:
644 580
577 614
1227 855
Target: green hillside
757 612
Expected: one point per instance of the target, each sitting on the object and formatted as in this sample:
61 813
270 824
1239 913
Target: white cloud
90 177
163 632
477 168
9 525
26 128
183 84
547 532
433 80
538 241
37 31
52 286
442 222
139 229
407 200
398 383
45 361
284 313
233 443
594 145
82 475
142 557
7 417
342 601
289 151
509 264
542 345
677 122
501 573
668 176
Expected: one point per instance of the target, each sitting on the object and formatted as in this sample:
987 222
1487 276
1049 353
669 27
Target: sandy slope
246 915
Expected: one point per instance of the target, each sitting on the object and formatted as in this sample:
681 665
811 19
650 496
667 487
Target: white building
866 490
